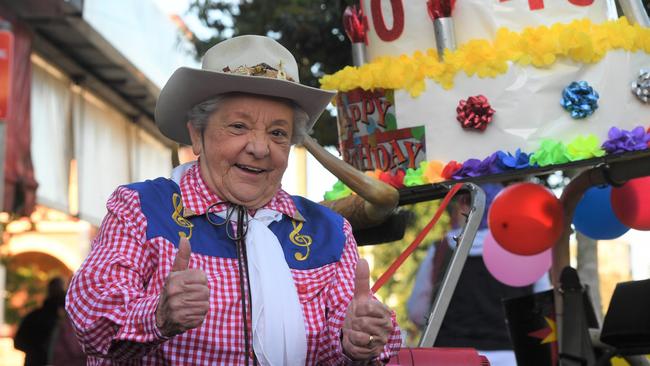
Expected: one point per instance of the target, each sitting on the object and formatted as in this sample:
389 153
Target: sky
180 7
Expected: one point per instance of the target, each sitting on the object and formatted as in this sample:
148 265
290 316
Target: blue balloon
595 217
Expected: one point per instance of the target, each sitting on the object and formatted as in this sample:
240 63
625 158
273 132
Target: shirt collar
198 198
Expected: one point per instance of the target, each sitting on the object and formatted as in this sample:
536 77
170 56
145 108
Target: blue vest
313 243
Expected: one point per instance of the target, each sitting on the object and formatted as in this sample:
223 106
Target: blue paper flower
520 160
580 99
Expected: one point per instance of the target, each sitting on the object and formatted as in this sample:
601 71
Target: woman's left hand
368 322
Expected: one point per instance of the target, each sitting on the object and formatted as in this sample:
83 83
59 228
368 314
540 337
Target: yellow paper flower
581 41
584 147
433 171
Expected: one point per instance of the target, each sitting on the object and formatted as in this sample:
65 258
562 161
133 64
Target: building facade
82 83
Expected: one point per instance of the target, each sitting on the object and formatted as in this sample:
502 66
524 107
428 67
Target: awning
64 38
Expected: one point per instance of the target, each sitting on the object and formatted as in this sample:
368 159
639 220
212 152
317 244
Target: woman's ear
195 136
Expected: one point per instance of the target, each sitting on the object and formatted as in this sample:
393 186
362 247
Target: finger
180 290
194 309
362 280
181 309
358 338
190 293
356 352
182 259
372 308
196 293
194 276
191 321
374 326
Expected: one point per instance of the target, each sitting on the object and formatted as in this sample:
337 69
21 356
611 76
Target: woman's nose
258 146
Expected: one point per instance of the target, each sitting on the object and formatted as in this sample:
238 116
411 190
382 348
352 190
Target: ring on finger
370 341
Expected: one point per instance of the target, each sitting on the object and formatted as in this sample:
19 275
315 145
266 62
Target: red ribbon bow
474 113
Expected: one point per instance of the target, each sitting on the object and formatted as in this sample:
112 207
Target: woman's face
244 148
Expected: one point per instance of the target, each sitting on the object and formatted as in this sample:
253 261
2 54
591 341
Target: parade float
451 93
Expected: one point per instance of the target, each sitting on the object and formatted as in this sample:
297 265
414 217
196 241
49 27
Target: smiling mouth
250 169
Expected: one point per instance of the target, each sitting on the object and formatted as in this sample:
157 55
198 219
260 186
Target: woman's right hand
185 299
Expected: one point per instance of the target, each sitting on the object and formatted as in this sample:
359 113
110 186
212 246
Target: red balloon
631 203
526 219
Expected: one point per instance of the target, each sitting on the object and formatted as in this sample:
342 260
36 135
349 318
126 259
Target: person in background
269 278
65 349
34 333
475 317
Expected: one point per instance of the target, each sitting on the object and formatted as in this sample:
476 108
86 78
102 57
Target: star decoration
547 335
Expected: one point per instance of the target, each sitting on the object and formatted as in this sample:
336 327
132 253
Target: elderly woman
269 278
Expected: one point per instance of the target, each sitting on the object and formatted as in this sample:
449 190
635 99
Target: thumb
362 280
182 259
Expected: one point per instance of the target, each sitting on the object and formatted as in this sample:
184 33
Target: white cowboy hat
247 64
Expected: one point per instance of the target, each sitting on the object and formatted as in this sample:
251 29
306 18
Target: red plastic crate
438 356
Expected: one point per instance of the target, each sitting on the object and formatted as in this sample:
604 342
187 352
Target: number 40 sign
390 29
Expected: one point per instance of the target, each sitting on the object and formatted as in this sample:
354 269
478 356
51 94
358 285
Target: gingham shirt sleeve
339 296
106 301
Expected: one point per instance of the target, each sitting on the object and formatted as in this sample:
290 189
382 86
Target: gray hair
199 116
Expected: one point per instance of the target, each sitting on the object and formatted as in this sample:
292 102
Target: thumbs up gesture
185 298
367 322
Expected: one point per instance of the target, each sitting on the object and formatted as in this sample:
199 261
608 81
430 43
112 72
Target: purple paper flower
476 168
490 165
621 140
517 161
469 169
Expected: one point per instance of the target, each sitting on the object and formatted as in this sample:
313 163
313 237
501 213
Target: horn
376 200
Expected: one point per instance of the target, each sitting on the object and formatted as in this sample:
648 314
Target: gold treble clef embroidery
178 217
300 240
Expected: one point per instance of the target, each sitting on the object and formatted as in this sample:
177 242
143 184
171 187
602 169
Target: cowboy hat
246 64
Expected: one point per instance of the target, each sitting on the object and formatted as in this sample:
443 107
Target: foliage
25 290
397 290
311 30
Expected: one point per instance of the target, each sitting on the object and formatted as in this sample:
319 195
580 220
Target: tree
311 30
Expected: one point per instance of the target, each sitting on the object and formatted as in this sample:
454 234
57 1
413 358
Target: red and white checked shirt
113 297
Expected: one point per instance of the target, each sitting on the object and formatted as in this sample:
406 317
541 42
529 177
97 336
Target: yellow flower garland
580 41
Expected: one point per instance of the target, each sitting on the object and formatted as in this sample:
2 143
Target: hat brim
187 87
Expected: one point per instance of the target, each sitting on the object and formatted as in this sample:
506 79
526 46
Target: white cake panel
527 105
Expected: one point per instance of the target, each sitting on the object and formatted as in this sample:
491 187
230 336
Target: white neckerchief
278 324
279 336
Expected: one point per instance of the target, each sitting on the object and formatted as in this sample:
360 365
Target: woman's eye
279 133
237 127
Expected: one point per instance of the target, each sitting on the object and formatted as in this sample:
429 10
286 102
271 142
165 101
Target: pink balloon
512 269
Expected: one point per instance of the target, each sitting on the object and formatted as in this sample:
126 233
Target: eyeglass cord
242 264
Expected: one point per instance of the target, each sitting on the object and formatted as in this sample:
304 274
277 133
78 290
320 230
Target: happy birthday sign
368 134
